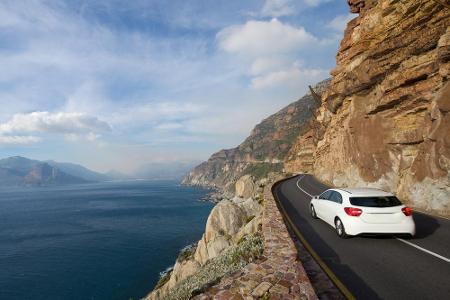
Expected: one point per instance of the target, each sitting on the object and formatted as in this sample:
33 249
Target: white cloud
280 8
61 122
18 140
340 22
314 3
149 86
277 8
289 77
267 64
272 49
257 38
169 126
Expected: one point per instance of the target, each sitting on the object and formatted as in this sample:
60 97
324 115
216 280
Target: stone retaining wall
278 274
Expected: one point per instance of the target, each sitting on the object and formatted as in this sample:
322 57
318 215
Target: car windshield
375 201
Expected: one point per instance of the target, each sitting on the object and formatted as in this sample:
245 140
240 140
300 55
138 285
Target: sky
114 84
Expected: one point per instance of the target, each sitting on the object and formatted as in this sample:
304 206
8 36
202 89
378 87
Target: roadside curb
342 288
277 274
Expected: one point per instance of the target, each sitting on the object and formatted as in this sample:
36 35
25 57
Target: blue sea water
94 241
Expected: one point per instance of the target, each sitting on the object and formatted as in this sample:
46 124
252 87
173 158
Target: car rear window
375 201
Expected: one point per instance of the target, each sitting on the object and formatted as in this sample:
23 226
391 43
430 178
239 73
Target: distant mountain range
21 171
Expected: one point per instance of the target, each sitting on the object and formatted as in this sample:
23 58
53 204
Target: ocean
94 241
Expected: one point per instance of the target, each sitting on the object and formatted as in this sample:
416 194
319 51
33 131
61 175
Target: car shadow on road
350 279
426 225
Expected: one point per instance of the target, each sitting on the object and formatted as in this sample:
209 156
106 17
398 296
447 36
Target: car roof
360 192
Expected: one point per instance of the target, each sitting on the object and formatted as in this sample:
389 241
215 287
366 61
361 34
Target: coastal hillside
383 120
264 150
21 171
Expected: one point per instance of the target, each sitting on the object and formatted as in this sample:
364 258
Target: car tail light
407 211
353 211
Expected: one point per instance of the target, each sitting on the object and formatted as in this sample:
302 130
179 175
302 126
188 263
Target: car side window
325 195
336 197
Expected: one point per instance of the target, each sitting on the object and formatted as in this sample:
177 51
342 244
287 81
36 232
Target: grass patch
262 170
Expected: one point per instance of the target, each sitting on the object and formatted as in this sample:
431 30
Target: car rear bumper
355 226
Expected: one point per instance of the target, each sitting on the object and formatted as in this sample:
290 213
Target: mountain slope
383 120
78 171
19 170
264 150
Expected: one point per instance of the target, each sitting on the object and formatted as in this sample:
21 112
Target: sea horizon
58 242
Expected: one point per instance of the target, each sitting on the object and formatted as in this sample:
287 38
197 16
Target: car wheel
340 229
313 213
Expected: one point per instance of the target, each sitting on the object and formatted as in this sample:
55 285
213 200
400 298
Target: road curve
374 267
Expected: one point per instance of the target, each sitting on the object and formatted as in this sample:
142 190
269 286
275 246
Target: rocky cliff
264 150
384 120
232 238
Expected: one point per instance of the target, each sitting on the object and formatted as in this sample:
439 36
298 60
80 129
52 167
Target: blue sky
117 84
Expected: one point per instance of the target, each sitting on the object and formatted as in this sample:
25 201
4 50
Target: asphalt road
374 267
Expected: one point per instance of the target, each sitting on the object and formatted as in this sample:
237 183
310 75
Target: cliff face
231 225
264 150
385 120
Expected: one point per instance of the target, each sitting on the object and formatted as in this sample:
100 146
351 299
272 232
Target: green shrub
233 259
261 170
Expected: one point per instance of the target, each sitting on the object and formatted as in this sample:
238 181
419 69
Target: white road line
298 185
399 239
425 250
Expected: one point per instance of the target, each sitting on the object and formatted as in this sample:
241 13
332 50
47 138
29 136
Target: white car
363 210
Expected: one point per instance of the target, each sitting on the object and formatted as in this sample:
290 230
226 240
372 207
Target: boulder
206 251
245 187
251 207
249 228
225 219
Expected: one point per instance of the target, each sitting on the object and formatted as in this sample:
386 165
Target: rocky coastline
381 121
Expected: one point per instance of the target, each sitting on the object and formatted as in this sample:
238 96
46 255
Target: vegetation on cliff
233 259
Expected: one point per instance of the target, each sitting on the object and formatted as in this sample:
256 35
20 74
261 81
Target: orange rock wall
385 119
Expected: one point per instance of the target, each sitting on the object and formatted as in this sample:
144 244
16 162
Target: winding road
373 267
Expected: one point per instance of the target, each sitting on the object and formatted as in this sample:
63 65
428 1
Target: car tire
313 212
340 229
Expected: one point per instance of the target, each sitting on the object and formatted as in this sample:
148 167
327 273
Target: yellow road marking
316 257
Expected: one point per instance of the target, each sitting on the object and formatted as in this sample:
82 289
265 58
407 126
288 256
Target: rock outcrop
385 120
245 186
229 222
